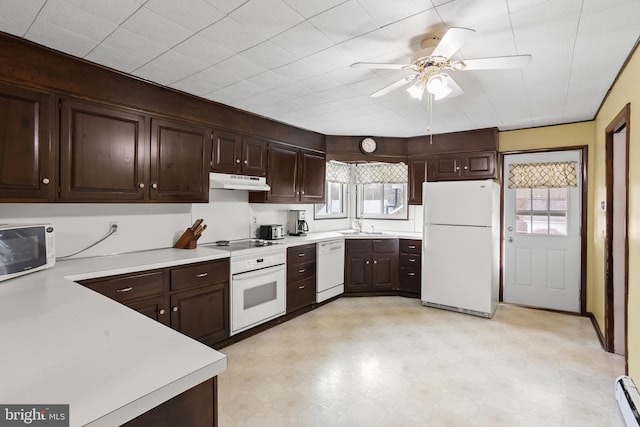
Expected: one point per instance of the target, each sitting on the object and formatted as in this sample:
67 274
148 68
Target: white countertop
332 235
64 343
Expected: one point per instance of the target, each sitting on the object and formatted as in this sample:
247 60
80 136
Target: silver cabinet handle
162 311
411 246
123 290
205 274
301 287
141 185
302 270
154 185
412 260
411 274
45 180
175 308
302 254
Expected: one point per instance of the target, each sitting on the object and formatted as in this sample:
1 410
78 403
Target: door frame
623 119
584 151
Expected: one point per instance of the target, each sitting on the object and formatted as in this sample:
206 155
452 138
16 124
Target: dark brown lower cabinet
196 313
410 267
301 277
196 407
371 265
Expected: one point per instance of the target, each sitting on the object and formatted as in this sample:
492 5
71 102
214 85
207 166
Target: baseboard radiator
628 400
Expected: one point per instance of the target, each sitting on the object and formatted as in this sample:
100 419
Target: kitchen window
382 191
338 176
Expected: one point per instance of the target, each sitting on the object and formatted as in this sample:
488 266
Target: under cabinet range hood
237 182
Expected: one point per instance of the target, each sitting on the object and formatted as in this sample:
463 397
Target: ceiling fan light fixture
417 89
437 85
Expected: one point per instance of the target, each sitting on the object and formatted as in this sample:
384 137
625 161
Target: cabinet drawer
358 246
410 261
301 271
410 277
129 287
385 245
199 275
301 254
301 294
411 246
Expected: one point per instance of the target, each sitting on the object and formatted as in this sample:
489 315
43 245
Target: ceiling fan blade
498 62
392 86
452 41
380 66
456 90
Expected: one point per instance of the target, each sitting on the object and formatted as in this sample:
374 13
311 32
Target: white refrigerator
461 246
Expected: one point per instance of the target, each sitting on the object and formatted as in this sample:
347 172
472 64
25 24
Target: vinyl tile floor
389 361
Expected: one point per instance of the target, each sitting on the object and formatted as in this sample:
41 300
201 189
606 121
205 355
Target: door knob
509 239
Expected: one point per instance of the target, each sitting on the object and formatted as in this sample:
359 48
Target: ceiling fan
434 57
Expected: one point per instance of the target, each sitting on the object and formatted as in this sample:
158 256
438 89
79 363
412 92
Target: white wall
140 226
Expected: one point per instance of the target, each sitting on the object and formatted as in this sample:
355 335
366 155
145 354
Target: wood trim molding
594 322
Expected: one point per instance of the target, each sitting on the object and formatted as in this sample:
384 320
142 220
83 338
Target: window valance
382 173
543 175
338 172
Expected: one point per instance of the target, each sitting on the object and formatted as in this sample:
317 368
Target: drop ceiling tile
269 80
75 20
203 50
402 9
152 26
193 15
227 6
267 17
268 55
58 38
237 68
116 12
546 14
344 22
169 67
134 49
204 82
302 40
232 35
329 59
297 71
244 89
16 16
309 8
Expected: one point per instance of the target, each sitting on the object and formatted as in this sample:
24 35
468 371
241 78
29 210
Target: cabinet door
312 183
155 308
283 174
480 165
202 314
384 273
301 293
417 176
357 273
226 152
102 153
445 167
410 281
27 159
179 161
254 156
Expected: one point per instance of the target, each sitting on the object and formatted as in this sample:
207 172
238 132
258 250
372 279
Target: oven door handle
257 273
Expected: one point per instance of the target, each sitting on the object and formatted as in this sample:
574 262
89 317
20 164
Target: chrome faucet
372 229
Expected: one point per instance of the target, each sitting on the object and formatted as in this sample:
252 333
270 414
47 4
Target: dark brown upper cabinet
232 153
179 161
417 176
463 166
109 154
27 153
295 176
103 153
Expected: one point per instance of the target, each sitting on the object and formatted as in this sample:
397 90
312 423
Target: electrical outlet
113 226
254 219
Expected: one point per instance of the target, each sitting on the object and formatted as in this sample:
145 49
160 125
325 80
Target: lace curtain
384 173
543 175
337 172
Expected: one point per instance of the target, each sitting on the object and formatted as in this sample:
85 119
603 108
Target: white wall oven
258 286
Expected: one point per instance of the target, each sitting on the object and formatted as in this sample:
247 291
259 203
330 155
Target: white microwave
25 248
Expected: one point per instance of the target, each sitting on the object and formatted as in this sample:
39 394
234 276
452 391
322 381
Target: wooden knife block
187 241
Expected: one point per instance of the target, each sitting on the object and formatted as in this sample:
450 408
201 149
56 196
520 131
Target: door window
541 211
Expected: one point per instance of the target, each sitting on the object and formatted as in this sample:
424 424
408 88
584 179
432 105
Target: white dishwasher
330 269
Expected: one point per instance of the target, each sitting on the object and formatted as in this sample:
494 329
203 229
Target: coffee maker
297 223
